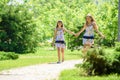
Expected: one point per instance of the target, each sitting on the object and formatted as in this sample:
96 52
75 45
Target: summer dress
88 36
60 41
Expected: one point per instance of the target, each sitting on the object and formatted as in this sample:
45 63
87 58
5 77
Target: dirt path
48 71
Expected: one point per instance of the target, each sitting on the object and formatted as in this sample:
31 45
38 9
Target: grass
43 55
77 74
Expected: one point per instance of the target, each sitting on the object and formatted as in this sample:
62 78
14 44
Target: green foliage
117 46
98 62
18 29
95 61
34 21
8 55
110 22
73 13
116 64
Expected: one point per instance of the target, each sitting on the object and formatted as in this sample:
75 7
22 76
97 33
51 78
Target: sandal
58 62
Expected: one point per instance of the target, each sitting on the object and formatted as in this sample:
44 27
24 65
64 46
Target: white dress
88 36
60 41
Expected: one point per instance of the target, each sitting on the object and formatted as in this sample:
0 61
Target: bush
117 46
8 55
98 62
95 61
115 67
18 30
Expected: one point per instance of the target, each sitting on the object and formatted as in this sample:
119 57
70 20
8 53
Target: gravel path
48 71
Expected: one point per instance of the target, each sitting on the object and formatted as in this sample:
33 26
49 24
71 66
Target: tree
18 28
119 22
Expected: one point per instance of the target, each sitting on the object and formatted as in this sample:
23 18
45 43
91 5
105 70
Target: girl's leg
84 51
62 50
58 49
86 47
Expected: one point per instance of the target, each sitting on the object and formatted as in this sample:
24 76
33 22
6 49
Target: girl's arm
81 30
96 29
55 33
70 32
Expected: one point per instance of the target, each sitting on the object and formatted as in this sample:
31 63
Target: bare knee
86 47
62 50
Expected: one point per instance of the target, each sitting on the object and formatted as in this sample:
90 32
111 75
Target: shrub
117 46
115 67
18 30
98 62
8 55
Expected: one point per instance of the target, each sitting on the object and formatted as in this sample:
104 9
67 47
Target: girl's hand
76 35
73 33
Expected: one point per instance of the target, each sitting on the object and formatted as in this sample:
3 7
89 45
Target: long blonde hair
92 19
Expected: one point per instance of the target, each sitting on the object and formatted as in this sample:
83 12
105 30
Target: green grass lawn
43 55
77 74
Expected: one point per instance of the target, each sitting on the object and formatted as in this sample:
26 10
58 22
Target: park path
48 71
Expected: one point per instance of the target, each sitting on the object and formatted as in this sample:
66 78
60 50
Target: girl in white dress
88 37
59 40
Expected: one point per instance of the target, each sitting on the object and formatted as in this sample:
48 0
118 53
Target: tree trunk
119 22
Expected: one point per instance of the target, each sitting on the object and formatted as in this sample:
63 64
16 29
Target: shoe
58 62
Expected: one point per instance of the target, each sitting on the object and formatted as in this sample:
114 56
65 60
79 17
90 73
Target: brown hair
59 22
92 19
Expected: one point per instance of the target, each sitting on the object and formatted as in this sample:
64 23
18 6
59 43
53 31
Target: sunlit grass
77 74
43 55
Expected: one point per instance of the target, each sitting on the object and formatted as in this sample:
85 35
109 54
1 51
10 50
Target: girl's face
59 24
88 19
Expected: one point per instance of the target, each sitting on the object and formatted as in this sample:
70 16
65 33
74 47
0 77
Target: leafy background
26 24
